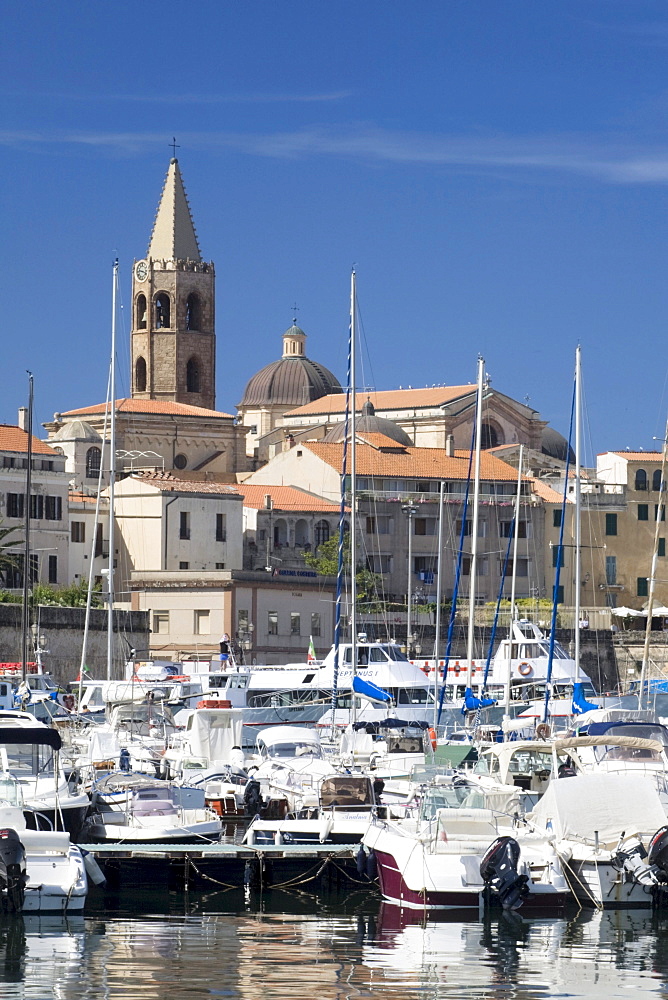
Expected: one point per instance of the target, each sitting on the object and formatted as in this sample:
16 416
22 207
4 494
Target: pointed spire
173 236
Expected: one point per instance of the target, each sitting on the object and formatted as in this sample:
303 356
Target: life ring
457 669
432 737
543 731
525 669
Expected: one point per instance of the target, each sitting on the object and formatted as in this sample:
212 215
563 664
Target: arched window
162 311
141 317
193 313
321 532
641 479
656 481
140 375
490 437
192 375
93 463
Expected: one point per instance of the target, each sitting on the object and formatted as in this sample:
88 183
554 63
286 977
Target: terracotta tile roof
386 399
150 406
285 498
545 492
636 456
84 498
413 463
12 438
379 440
168 483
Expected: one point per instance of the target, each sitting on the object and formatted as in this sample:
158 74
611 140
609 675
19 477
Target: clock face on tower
141 270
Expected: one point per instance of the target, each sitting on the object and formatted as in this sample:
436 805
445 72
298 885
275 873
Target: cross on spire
174 146
295 310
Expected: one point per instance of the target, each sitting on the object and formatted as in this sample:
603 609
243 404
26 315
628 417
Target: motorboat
41 871
132 808
286 771
52 795
466 847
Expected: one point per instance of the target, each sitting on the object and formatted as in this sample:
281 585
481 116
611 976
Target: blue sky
497 171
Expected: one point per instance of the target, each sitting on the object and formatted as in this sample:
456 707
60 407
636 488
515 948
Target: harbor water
180 946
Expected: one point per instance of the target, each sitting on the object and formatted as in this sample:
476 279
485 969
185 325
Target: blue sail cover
370 690
580 704
472 704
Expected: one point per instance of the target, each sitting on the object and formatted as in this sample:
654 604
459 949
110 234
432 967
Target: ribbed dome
369 423
292 381
555 445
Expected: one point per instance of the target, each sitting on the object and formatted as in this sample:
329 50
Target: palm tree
8 559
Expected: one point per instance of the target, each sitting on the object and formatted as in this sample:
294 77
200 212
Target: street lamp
246 641
410 510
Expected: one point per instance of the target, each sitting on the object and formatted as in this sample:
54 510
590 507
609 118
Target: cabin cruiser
131 807
464 847
41 871
286 771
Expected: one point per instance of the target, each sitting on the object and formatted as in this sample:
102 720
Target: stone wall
63 628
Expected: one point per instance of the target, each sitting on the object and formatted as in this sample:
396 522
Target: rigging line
455 590
560 555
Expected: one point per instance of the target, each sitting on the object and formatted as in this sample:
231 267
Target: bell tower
173 308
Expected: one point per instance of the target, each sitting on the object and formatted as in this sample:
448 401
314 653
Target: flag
310 658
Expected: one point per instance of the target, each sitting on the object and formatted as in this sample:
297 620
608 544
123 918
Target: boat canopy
42 736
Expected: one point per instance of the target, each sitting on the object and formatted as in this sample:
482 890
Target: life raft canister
525 669
213 703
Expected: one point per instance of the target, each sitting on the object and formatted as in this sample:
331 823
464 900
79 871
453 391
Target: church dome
369 423
292 381
555 445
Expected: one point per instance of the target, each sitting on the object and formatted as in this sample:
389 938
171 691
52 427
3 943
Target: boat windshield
293 750
467 796
346 790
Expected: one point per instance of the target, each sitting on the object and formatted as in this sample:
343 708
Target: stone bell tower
173 298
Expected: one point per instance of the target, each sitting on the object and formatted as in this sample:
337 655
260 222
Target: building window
14 574
661 550
180 461
641 586
37 506
315 623
78 531
656 480
53 508
184 565
611 524
202 625
140 375
557 556
295 623
656 512
220 565
162 311
467 527
272 622
556 518
611 570
379 563
192 376
15 505
522 568
53 569
243 619
161 622
522 529
641 479
93 463
184 525
221 534
321 532
560 594
193 317
643 512
424 526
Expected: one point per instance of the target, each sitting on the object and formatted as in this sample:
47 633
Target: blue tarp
370 690
580 704
472 704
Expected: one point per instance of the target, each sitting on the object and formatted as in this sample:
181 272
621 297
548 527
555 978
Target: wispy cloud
181 99
612 159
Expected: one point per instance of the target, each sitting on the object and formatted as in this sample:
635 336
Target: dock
258 867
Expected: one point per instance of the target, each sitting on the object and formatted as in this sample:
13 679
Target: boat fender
525 669
371 866
93 870
432 737
543 731
361 860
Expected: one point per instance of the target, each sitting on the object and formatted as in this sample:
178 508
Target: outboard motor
632 858
498 870
13 875
252 798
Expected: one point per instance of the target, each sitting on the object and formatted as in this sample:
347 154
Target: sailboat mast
513 584
112 473
439 584
474 526
353 486
643 698
25 609
578 505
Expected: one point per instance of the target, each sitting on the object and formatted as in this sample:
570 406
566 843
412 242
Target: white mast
506 698
353 489
112 474
643 698
437 638
578 504
474 526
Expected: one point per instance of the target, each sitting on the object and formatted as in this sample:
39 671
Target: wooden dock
228 866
